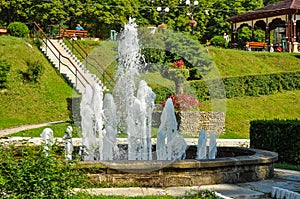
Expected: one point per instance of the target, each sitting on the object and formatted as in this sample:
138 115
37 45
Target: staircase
68 65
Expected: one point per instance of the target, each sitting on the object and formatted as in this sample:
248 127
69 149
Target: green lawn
241 110
26 102
240 63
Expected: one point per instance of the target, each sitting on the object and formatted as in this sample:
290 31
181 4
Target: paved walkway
284 179
8 131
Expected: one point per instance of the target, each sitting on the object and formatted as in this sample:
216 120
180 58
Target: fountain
171 160
129 108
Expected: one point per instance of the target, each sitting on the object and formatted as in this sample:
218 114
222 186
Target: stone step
68 69
224 191
235 191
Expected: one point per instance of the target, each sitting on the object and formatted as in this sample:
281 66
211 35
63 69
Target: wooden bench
256 44
75 33
3 31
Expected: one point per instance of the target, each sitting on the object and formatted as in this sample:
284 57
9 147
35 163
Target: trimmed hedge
252 85
161 92
281 136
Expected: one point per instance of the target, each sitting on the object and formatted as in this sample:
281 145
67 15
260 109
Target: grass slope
26 103
241 63
242 110
30 103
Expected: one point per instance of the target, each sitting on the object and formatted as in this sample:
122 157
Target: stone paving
286 179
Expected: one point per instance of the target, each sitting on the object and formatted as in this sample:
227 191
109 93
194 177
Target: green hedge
161 92
281 136
252 85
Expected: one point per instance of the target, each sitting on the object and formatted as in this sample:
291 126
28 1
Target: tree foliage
99 16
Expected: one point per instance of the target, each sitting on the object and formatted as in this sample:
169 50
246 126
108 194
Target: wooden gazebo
283 16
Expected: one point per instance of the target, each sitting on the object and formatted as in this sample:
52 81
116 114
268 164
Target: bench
74 33
3 31
256 44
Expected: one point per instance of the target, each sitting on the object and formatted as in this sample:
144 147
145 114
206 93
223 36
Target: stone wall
190 123
190 172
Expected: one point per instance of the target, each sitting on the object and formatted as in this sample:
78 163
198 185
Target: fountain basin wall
254 165
190 123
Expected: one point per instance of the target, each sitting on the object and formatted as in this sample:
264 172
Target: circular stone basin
232 165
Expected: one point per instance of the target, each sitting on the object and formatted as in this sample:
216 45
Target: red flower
178 64
183 102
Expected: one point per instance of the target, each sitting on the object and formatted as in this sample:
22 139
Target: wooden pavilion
282 17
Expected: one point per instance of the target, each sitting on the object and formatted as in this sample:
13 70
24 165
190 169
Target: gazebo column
234 38
267 36
289 33
287 38
295 43
252 33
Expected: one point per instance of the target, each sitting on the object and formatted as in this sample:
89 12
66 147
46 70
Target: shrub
26 172
184 102
34 71
178 49
161 92
219 41
38 40
281 136
18 29
4 69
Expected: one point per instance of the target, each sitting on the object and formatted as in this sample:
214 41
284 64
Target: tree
14 10
99 16
268 2
222 9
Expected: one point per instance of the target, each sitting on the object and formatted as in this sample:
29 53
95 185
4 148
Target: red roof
280 8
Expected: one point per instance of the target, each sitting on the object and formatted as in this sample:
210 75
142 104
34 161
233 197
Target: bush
38 40
18 29
34 71
281 136
26 172
162 48
161 92
4 69
184 102
219 41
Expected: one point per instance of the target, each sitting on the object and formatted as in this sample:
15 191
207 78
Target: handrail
60 55
106 76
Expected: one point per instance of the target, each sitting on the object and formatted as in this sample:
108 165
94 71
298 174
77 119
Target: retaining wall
190 123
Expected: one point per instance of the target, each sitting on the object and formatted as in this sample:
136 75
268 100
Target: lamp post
191 9
163 10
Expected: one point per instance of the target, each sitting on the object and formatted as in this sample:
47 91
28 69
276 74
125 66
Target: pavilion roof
279 8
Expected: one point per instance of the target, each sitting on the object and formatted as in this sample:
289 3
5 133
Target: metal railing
90 63
80 78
